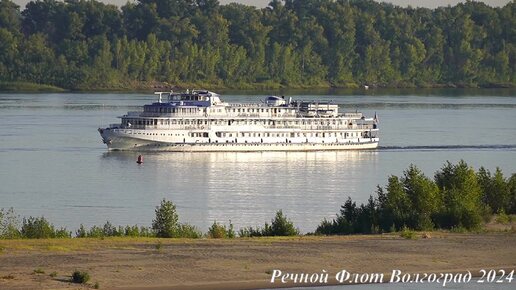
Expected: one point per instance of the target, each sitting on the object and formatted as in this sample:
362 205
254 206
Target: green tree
281 226
166 221
424 196
462 196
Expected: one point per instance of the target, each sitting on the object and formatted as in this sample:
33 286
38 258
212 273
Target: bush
81 232
165 224
408 234
503 218
248 232
280 226
40 228
80 277
218 231
96 232
9 224
187 231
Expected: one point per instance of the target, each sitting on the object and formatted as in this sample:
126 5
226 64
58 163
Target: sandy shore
146 263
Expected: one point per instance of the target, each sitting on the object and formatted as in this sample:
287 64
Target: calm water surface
54 164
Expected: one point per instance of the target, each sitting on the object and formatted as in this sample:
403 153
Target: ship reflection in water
248 188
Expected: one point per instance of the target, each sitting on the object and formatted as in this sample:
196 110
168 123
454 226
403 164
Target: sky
263 3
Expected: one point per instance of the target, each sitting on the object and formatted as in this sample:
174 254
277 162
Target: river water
53 163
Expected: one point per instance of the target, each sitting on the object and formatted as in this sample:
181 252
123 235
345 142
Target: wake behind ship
200 121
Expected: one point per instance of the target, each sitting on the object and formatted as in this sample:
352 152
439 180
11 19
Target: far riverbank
324 88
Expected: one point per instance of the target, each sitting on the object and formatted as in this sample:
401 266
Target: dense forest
86 44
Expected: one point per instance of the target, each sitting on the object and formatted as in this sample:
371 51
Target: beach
149 263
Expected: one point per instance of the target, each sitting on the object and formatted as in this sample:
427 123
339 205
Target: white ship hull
121 141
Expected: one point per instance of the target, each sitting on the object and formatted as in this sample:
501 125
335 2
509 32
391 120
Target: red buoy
140 159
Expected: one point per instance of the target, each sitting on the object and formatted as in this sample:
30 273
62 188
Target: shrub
80 277
96 232
81 232
53 274
219 231
280 226
39 271
109 230
9 224
188 231
146 232
408 234
165 224
40 228
503 218
62 233
248 232
133 231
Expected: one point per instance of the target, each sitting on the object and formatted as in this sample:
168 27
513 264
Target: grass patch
79 277
55 248
39 271
53 274
28 87
502 218
458 230
408 234
96 285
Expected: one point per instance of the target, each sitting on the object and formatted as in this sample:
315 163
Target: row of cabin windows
197 134
194 110
258 110
230 122
172 110
292 135
176 110
244 134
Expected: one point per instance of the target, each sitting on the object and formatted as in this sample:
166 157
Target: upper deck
206 104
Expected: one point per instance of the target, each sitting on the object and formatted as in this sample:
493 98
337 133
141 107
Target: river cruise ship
199 120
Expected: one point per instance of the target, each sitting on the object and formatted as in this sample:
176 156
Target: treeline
79 44
165 225
457 198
